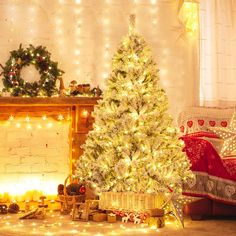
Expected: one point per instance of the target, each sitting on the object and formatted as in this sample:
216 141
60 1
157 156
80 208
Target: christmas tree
133 145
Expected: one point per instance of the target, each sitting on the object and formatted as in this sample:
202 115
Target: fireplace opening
34 154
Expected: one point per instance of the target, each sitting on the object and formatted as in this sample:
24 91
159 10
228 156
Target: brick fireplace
40 141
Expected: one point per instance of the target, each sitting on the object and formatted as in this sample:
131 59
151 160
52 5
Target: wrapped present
155 212
111 218
99 217
157 222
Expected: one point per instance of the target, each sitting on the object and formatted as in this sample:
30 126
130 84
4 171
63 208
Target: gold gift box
99 217
111 218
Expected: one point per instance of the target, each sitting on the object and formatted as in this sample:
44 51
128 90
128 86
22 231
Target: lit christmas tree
133 145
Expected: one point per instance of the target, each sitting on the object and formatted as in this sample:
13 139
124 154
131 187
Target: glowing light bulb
154 22
60 117
84 113
27 119
59 21
29 126
39 126
11 118
77 52
49 125
18 125
44 117
104 75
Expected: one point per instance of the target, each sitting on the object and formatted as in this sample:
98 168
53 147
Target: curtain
217 52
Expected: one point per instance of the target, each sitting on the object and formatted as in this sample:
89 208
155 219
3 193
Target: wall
33 156
82 35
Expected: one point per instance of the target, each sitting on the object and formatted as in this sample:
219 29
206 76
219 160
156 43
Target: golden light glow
15 188
18 125
188 14
11 118
24 190
60 117
27 119
84 114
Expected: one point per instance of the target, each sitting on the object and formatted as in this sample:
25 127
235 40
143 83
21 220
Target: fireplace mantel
48 101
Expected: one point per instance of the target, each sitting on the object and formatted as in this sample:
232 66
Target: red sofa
212 172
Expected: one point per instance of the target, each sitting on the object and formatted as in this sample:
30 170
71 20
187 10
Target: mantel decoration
41 59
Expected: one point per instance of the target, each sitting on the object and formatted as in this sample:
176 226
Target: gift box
99 217
111 218
155 212
157 222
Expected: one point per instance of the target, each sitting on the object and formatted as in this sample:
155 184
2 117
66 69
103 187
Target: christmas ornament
97 91
41 59
82 189
13 208
76 89
75 189
3 209
177 210
60 189
73 88
137 220
228 135
125 218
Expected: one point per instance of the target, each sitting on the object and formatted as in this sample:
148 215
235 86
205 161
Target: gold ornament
19 61
229 137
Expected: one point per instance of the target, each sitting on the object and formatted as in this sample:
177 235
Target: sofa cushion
194 119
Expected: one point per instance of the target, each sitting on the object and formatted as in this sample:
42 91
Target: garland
40 58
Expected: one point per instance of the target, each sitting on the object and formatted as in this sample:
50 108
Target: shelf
47 101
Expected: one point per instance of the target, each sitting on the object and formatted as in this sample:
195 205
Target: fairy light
60 117
84 114
27 119
18 125
77 52
78 42
28 126
106 24
49 125
11 118
153 2
39 126
189 16
44 117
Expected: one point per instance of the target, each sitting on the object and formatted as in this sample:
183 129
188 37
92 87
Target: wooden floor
58 225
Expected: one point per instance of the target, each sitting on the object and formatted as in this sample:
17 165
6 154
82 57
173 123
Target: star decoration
177 210
173 206
229 137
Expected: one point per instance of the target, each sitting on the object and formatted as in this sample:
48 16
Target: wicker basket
68 201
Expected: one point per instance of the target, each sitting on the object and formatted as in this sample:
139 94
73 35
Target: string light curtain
217 52
82 36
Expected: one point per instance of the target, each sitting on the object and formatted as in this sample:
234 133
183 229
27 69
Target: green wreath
40 58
